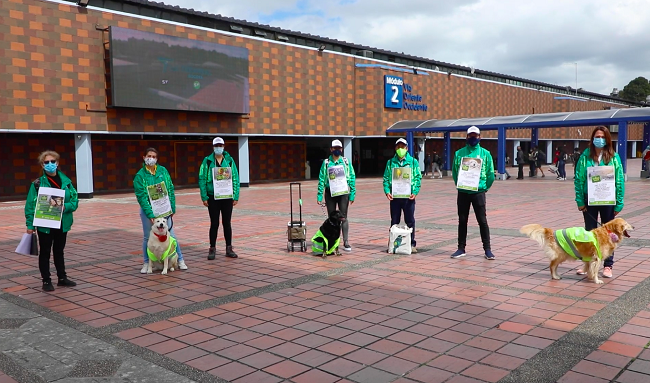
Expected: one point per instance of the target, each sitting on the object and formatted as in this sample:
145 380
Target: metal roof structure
545 120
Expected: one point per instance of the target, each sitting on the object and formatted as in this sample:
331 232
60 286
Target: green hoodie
69 206
407 161
324 181
487 169
144 178
205 176
580 182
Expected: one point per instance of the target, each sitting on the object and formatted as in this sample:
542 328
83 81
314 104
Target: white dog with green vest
161 247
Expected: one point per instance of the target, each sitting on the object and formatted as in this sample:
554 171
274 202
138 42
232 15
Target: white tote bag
399 240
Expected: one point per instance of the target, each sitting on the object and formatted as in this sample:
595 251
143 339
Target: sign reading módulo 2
399 95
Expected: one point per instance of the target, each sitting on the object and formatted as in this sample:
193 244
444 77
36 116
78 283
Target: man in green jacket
472 189
221 202
405 200
336 182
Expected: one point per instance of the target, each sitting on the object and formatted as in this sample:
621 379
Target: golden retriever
608 237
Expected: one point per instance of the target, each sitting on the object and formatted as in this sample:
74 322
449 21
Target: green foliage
637 90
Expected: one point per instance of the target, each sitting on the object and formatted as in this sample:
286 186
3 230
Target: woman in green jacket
52 239
219 204
155 179
599 153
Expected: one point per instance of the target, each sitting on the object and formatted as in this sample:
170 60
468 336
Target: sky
607 41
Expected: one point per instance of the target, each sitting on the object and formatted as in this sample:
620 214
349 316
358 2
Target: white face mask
150 161
218 150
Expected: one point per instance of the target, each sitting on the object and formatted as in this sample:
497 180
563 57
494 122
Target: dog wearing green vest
161 247
590 247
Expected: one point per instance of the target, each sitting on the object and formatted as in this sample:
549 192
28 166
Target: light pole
576 78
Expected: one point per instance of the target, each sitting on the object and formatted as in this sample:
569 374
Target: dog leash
592 217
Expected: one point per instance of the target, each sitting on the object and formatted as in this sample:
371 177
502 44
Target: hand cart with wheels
296 230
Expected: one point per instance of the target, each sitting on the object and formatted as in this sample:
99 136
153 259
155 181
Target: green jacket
69 206
143 179
580 181
566 238
205 176
407 161
487 168
324 181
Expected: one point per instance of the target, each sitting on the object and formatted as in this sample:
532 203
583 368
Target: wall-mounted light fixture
82 3
415 71
236 28
321 47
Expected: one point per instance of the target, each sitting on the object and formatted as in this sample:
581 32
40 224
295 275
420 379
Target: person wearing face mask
474 196
599 153
154 176
344 191
219 205
52 240
403 159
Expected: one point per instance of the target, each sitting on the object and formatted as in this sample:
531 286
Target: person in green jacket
599 153
474 194
220 204
403 203
152 183
52 239
332 171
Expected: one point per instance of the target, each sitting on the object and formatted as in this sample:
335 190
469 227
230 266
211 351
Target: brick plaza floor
273 316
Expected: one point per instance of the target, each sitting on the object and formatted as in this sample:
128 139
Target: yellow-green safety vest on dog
169 252
317 245
566 237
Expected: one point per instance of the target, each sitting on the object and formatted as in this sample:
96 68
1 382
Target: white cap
217 141
402 141
336 144
473 129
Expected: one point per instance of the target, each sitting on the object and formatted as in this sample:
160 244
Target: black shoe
48 286
230 253
211 254
508 178
66 282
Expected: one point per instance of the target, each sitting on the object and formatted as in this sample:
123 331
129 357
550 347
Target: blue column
409 140
447 154
534 137
501 151
622 145
646 141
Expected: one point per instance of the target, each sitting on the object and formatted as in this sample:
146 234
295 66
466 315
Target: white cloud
538 40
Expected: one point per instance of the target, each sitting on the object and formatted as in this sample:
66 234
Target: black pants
478 203
531 166
606 215
53 241
520 173
408 207
221 207
343 201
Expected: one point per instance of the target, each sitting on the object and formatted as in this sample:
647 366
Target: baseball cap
473 129
402 141
218 141
336 144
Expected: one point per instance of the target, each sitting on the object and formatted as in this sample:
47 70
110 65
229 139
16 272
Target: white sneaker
182 265
144 269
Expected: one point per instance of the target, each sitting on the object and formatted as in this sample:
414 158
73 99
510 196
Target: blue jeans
146 229
561 168
408 207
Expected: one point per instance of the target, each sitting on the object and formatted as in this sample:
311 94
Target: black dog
331 230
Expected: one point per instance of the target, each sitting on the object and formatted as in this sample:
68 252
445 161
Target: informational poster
601 185
49 207
401 182
469 174
222 182
338 181
159 198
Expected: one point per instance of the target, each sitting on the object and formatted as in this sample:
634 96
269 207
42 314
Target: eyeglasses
49 162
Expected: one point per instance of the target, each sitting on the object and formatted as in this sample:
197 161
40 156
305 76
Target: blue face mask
599 142
218 150
473 141
50 168
337 152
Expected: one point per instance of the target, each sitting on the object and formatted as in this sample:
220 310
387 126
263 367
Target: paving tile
586 367
371 375
313 358
503 361
450 363
315 376
609 359
632 377
231 371
338 348
186 354
259 377
575 377
207 362
261 360
395 365
621 349
341 367
286 369
518 351
426 374
367 357
487 373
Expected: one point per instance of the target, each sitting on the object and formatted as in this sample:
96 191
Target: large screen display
154 71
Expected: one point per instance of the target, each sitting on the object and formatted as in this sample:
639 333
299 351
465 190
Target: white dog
161 247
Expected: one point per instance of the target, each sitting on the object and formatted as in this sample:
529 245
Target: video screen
154 71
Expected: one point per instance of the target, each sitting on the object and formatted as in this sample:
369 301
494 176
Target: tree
637 90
